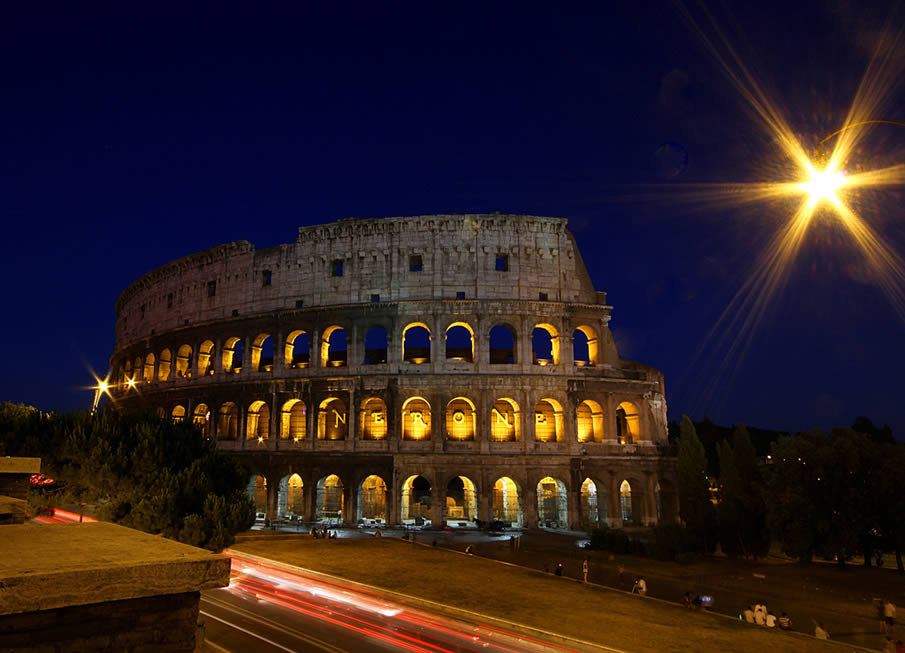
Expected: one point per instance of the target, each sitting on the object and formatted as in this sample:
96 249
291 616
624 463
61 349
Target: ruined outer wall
458 255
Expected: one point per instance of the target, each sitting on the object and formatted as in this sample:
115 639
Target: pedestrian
785 621
640 587
585 568
820 631
771 620
469 549
760 614
889 615
558 570
686 600
748 614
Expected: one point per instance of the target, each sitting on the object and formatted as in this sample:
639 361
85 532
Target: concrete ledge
43 567
19 465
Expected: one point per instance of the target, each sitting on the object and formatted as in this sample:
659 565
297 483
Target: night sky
133 134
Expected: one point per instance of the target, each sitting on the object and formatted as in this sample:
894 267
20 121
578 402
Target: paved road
270 607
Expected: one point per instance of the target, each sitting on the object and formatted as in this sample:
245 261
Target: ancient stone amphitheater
439 369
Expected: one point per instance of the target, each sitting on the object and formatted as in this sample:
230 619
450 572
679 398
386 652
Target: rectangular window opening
170 300
235 312
299 303
211 288
460 295
502 263
415 263
375 298
337 267
267 277
542 297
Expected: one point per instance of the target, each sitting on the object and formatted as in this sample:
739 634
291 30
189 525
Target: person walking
760 614
558 570
889 616
585 568
640 587
820 631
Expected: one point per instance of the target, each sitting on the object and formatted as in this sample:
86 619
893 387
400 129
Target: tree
695 504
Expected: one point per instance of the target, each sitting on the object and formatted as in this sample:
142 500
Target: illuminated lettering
501 419
539 418
458 417
418 418
340 418
377 418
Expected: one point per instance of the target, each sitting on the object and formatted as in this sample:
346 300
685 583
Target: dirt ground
603 611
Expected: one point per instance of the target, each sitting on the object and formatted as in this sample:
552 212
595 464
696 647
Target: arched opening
149 367
502 345
376 346
416 419
545 345
291 498
257 421
416 501
625 502
334 347
293 420
127 372
506 505
551 503
460 343
297 350
201 416
164 364
161 413
373 419
257 492
332 420
584 346
416 343
628 423
262 353
178 413
184 362
232 356
590 516
329 500
372 500
460 419
139 369
504 421
205 358
228 421
589 421
548 421
460 499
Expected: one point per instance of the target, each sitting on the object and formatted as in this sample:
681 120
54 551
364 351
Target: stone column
352 421
392 518
438 502
615 508
309 497
273 495
350 502
609 431
484 499
529 504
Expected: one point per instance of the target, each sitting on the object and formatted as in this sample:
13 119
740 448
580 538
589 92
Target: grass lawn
524 596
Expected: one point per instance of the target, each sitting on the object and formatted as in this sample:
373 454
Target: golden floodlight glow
130 383
102 386
823 184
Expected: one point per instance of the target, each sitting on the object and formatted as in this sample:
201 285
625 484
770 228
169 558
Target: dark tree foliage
140 470
695 505
742 511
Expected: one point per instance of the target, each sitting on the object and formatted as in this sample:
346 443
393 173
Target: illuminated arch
415 507
545 344
334 347
262 353
589 421
376 346
297 349
139 369
591 505
460 342
329 500
461 499
548 421
416 343
552 506
628 423
178 413
332 420
164 363
506 505
150 359
184 362
505 421
231 359
584 346
373 421
201 415
502 339
257 421
461 421
257 491
205 356
372 499
416 419
625 502
228 421
291 497
293 420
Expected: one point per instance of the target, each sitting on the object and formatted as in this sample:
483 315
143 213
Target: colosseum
431 370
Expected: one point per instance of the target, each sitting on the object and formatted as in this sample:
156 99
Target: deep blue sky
134 134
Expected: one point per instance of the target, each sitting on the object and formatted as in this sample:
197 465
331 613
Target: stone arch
415 506
552 503
201 415
416 419
205 358
502 339
178 413
184 362
262 353
376 346
626 505
545 344
506 502
373 422
329 500
228 421
257 492
297 349
164 365
127 371
332 419
291 497
334 347
416 343
589 421
139 370
372 499
461 420
548 421
593 504
505 421
293 420
584 346
231 358
461 499
148 375
628 423
257 421
460 342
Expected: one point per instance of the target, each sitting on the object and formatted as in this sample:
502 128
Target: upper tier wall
457 254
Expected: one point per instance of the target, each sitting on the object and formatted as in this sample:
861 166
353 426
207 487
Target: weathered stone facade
440 368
